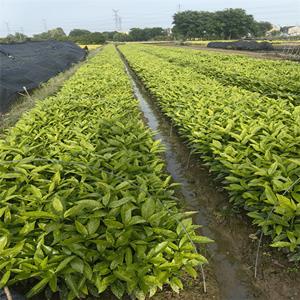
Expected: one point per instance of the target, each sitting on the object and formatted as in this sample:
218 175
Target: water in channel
200 194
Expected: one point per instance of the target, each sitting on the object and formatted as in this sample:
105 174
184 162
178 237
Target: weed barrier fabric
31 63
242 45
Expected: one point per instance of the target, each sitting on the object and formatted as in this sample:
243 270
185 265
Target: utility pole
116 18
21 32
120 23
179 7
7 28
44 22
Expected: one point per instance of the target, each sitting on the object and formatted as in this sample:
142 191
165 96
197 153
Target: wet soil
232 256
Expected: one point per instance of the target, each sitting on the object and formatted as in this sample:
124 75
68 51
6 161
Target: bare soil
193 290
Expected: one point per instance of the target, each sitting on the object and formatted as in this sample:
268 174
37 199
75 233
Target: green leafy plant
249 141
85 205
275 79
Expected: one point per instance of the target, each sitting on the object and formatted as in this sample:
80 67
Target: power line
120 23
116 18
7 28
44 22
149 19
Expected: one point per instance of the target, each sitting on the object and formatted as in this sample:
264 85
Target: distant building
274 30
290 30
169 31
285 31
294 31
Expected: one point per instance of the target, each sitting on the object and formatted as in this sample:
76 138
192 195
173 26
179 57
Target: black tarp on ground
242 45
31 63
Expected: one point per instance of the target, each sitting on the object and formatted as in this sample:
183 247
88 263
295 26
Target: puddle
200 193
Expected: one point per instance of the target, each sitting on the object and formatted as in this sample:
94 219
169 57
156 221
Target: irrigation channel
200 194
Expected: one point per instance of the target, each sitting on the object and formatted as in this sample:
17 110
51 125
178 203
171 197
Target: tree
96 38
83 36
146 34
56 33
121 37
20 37
41 36
196 24
186 24
261 28
235 23
165 37
109 35
226 24
15 38
137 34
75 33
79 35
151 33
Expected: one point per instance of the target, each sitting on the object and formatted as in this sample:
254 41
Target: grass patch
90 47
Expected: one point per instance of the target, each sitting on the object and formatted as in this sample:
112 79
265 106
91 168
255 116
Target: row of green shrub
250 142
85 204
272 78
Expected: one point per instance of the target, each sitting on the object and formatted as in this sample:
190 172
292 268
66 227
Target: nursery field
275 79
85 203
249 140
91 209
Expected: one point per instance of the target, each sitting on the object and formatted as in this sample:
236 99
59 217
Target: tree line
226 24
83 36
232 23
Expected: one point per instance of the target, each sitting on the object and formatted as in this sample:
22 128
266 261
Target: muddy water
200 194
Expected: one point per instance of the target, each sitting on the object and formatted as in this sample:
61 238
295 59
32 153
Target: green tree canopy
235 23
83 36
195 24
78 33
146 34
232 23
121 37
109 35
96 38
261 28
56 33
137 34
18 37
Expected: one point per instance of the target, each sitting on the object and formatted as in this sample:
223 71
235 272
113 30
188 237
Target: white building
273 30
293 31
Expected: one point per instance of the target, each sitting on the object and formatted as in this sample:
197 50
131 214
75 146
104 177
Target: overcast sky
34 16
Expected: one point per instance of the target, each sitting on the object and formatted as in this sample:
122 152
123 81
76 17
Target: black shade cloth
242 45
31 63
